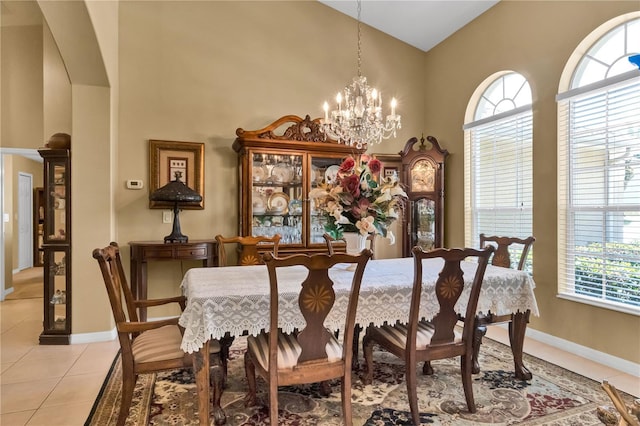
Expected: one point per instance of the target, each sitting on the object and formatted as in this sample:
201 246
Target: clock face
423 177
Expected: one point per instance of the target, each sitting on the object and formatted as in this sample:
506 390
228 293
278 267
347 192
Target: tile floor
57 385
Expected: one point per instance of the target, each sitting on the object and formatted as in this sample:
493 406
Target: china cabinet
56 246
423 178
278 166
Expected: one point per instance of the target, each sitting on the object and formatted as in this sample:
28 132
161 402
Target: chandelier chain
359 40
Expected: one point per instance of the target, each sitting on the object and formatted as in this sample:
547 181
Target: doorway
25 220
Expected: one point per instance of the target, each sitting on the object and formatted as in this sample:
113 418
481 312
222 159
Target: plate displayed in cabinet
282 173
295 207
278 203
316 175
260 173
331 174
257 203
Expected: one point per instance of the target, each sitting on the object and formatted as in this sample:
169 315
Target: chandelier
358 120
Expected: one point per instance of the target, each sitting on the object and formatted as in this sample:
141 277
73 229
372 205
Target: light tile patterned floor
57 385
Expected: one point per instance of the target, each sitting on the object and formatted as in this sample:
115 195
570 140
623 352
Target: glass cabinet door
276 196
57 300
55 229
323 170
423 223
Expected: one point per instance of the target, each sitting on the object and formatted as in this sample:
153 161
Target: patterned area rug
554 396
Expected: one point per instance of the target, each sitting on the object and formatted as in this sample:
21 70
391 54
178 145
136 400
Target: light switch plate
166 216
135 184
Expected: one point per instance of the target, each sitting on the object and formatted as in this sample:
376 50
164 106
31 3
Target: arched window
599 169
498 165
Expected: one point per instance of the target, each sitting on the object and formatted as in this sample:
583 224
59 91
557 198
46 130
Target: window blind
599 195
501 178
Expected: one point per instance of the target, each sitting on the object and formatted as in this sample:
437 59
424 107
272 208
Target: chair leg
427 369
346 397
466 362
356 344
325 388
128 383
478 334
367 351
273 402
412 392
250 371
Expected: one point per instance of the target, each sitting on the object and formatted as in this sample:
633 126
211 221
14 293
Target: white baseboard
101 336
603 358
7 292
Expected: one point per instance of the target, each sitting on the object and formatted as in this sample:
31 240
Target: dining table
234 301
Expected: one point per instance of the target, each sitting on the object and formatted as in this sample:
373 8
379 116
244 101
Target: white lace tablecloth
235 299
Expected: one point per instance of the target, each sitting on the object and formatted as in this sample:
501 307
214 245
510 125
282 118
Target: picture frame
168 157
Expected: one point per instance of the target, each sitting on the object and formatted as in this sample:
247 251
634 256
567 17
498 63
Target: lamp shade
176 192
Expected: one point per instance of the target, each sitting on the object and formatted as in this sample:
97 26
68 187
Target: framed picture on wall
172 160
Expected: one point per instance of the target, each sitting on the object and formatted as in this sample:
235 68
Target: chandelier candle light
358 119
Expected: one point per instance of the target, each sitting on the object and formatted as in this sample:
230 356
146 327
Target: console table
147 251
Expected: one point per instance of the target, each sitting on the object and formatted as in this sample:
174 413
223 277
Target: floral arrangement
357 202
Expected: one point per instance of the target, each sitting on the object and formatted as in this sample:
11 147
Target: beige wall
197 71
57 89
22 83
535 39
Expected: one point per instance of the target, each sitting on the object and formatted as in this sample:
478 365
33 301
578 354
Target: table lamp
176 192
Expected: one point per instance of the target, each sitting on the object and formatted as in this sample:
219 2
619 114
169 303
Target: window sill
601 304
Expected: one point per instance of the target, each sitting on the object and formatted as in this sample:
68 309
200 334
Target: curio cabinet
56 246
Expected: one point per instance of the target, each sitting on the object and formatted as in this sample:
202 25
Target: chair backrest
502 257
316 299
248 253
448 289
118 290
332 243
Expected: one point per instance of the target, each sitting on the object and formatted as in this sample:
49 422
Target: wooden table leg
201 371
517 329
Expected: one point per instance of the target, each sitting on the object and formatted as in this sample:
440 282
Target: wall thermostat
134 184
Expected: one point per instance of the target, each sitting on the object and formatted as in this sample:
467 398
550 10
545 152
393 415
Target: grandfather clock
423 177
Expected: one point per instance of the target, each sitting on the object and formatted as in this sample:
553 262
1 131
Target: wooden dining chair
314 354
148 346
332 243
248 248
502 256
419 340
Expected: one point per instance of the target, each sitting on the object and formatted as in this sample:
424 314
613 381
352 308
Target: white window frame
613 82
517 117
